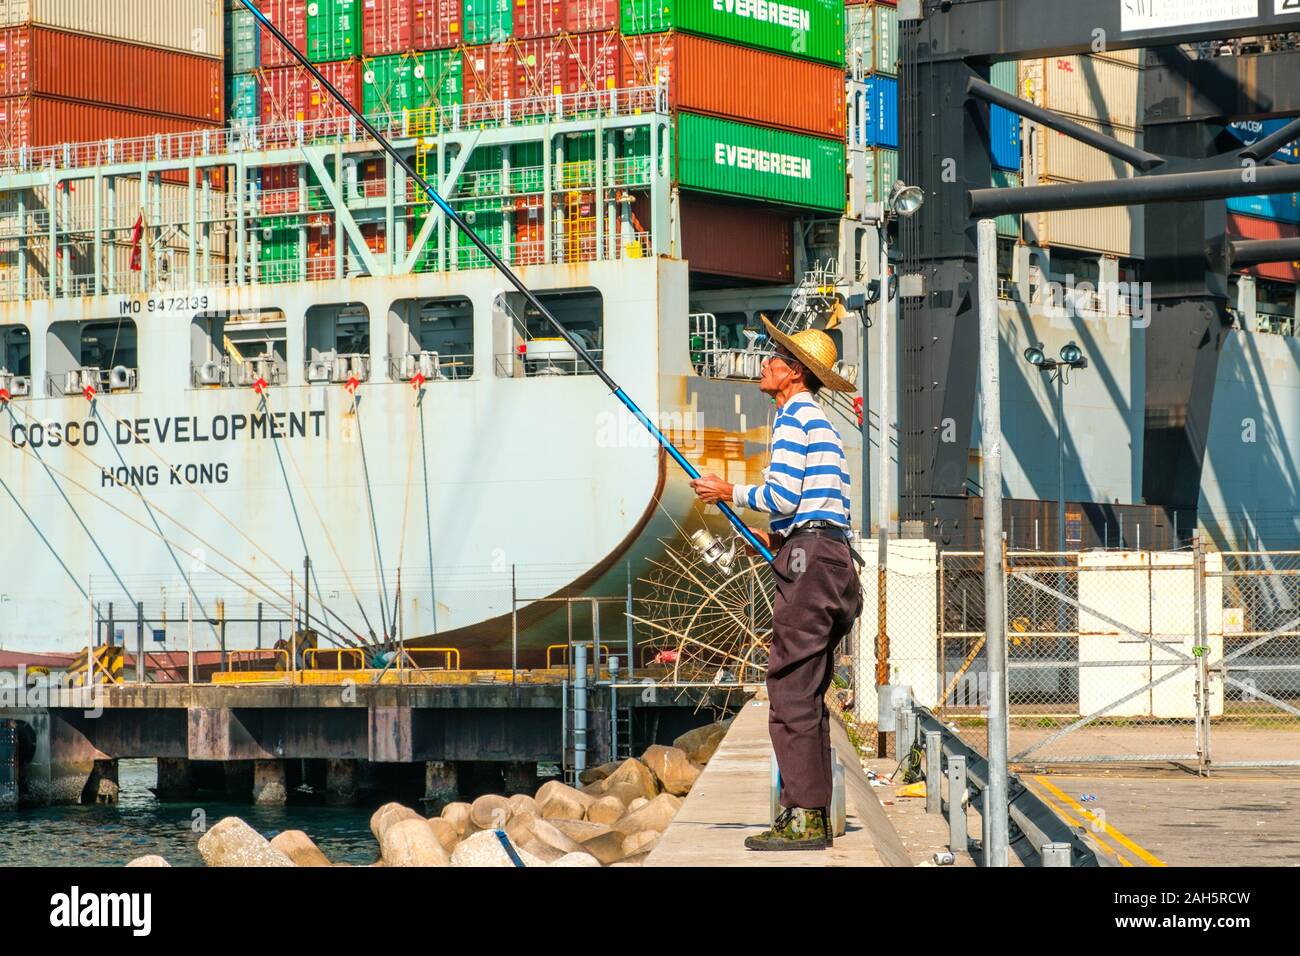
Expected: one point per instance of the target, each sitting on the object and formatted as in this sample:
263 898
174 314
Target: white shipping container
1086 87
1055 156
168 205
1115 231
188 26
1131 57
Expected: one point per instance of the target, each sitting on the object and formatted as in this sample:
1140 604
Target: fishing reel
712 552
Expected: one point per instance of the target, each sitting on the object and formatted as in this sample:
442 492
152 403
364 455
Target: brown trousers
818 599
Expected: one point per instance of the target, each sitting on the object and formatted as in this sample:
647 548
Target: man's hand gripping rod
506 271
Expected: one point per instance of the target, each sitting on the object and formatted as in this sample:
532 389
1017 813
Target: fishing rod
750 538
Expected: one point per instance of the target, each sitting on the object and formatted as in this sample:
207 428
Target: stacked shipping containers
1101 90
73 71
871 65
1266 217
778 137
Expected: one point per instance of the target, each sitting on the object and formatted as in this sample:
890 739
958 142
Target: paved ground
1175 819
730 800
1148 743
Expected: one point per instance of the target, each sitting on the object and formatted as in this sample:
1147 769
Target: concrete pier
269 788
101 786
342 782
520 777
441 784
731 800
175 779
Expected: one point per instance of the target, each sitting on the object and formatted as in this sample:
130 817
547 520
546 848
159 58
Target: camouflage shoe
794 829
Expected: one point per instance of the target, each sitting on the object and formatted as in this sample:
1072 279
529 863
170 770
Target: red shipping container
741 240
593 62
376 236
1248 227
112 72
490 73
530 234
436 24
279 193
781 91
387 27
291 95
538 18
586 16
320 252
290 18
538 67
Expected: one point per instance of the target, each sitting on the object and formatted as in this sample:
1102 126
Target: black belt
831 532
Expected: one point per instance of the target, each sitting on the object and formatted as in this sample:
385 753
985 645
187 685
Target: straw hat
815 351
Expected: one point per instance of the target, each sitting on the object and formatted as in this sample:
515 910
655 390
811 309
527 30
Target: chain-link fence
1177 657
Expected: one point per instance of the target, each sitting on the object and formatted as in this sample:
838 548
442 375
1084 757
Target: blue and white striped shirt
808 479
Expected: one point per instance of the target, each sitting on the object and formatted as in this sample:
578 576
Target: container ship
255 378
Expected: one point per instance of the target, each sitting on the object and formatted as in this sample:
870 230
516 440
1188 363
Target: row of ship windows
432 339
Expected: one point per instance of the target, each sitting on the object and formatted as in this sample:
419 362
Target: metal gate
1182 657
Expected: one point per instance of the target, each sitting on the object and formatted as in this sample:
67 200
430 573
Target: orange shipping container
737 82
110 72
1250 228
44 121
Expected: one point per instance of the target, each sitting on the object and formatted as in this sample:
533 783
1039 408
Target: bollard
906 730
957 832
580 709
1055 854
933 771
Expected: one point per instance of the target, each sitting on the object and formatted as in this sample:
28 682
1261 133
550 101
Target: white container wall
1054 156
1085 87
1116 231
189 26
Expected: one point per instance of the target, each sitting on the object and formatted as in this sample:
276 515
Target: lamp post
1072 357
903 202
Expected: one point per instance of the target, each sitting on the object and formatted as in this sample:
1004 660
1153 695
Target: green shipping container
244 99
813 29
279 250
1006 76
526 174
871 40
393 84
333 30
735 159
488 21
881 173
243 42
1008 225
485 218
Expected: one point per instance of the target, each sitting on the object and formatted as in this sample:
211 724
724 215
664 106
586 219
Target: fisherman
806 491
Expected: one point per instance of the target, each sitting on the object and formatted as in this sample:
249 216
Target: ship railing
450 657
255 660
435 367
102 381
518 365
313 656
241 137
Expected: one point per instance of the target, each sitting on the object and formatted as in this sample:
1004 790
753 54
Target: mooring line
41 534
73 508
311 500
130 429
428 514
370 503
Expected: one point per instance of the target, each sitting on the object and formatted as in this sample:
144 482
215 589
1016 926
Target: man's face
779 370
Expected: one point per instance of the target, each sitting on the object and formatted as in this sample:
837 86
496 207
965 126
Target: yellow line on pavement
1070 818
1099 824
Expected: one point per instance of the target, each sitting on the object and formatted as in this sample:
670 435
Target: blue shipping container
880 125
1004 131
1281 207
1252 131
244 99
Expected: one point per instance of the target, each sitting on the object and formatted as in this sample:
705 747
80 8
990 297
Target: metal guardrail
211 143
1035 828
